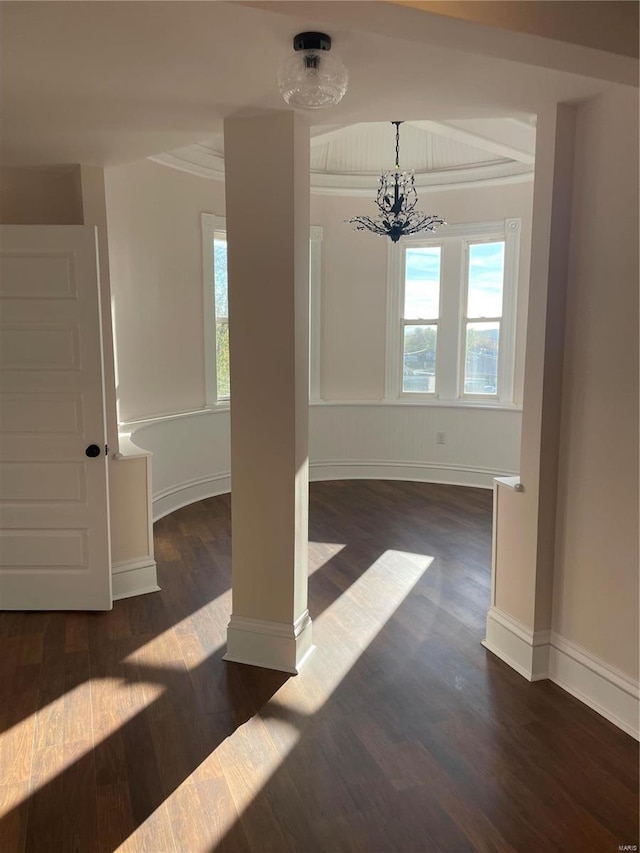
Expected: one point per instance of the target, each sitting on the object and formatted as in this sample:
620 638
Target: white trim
369 190
194 159
212 224
339 183
127 427
203 161
134 577
425 403
272 645
545 654
420 472
507 351
127 449
517 645
395 289
169 500
494 540
608 691
463 230
512 483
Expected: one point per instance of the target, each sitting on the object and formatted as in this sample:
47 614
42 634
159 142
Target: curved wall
156 279
191 453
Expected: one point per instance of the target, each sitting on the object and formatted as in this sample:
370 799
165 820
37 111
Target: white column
267 211
519 620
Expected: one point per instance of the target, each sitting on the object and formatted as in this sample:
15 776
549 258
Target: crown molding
203 161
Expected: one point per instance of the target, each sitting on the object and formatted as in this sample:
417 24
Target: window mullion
450 306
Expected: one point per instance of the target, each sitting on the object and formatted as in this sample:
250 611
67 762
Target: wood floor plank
114 816
127 731
14 806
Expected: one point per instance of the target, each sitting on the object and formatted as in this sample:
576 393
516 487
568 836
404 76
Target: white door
54 509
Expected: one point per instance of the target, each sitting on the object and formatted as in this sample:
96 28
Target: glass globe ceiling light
396 200
312 78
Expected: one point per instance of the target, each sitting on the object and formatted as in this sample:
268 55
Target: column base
272 645
515 644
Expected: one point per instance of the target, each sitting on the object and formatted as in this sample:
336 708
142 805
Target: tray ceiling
348 159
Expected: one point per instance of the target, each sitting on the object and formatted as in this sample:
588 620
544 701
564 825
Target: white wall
565 573
156 272
595 601
155 253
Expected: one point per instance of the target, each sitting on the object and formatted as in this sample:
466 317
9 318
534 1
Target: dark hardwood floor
126 730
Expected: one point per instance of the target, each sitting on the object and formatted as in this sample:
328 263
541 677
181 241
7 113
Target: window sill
425 403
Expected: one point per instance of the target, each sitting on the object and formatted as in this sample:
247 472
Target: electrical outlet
441 438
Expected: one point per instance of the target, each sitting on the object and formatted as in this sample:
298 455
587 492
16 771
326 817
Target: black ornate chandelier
396 199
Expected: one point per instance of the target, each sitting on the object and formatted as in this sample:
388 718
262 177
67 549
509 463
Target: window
221 314
216 310
450 313
483 317
421 311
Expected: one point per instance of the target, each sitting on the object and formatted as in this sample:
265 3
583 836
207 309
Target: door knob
92 451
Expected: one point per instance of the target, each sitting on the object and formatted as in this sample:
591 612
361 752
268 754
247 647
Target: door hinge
106 450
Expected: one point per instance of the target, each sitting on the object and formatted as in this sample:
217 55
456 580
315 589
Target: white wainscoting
399 442
381 440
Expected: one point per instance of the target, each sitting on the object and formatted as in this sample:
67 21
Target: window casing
482 314
216 312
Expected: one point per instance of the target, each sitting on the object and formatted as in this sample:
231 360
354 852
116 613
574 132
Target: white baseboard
272 645
545 654
516 644
134 577
607 690
175 497
421 472
183 494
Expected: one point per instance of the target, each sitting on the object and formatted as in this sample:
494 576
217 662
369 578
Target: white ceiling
110 82
348 159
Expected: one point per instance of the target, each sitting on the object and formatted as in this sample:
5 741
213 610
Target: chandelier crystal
396 201
312 78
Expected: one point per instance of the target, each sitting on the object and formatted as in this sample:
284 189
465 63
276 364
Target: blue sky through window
486 279
422 283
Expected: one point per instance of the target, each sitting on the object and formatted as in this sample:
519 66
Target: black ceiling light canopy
312 41
396 201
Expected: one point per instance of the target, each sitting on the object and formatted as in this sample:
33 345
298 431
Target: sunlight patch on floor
321 552
343 632
244 763
184 643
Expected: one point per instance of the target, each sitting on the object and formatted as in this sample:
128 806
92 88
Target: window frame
454 241
212 227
